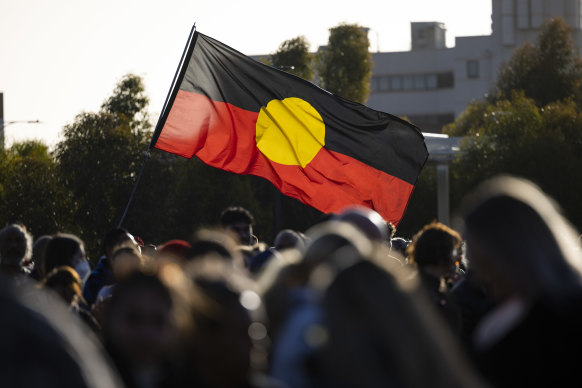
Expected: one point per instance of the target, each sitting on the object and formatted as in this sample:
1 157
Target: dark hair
433 245
520 231
39 247
112 238
140 280
60 251
234 214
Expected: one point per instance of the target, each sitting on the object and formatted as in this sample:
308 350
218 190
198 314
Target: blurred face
81 264
79 256
223 355
13 246
244 231
449 269
125 263
140 326
498 281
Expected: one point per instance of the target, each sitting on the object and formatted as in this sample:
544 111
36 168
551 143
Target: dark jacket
101 276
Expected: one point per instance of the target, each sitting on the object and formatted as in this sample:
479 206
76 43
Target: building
431 84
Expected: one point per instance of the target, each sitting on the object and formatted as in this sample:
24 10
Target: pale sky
59 58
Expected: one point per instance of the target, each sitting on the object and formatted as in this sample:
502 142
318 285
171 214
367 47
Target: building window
523 16
419 83
473 69
374 84
396 82
431 81
412 82
445 80
384 83
408 82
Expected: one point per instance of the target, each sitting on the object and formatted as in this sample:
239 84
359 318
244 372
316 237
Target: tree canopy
293 56
547 71
530 126
100 155
30 189
345 64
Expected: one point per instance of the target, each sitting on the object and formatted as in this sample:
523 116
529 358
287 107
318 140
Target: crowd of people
495 301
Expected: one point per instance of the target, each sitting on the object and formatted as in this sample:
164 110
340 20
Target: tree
530 125
345 64
517 137
130 101
100 156
30 192
548 71
293 56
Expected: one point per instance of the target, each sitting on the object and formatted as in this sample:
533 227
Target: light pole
442 151
4 124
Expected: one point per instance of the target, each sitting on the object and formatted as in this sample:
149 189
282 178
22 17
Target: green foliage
293 57
129 101
530 125
345 65
30 192
469 121
198 193
98 161
99 158
517 137
548 71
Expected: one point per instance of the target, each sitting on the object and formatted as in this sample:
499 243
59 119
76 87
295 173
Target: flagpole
161 119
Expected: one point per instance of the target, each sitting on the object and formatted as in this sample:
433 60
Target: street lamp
4 124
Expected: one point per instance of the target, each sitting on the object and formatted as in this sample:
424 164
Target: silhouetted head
437 246
115 237
15 245
63 249
518 239
288 238
239 221
65 281
38 249
368 221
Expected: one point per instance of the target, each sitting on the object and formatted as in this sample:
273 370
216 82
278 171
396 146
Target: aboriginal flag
239 115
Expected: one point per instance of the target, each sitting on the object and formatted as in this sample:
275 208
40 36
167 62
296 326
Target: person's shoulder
101 268
105 292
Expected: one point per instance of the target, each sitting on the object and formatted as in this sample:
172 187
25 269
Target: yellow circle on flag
290 131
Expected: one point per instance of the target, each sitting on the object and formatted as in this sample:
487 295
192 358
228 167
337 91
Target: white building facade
431 84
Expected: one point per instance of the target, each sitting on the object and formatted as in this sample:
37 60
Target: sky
60 58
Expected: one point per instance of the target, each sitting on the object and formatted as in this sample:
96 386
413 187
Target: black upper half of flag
378 139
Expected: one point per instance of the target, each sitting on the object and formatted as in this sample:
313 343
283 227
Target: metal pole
276 211
1 121
443 207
